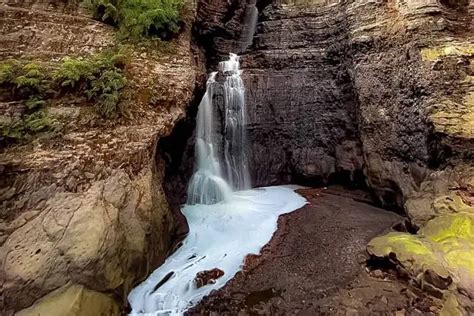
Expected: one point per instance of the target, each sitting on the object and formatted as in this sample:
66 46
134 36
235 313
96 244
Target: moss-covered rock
445 246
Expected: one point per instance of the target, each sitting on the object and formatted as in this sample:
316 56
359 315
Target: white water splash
220 236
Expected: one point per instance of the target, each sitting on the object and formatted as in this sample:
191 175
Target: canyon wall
337 89
342 87
373 91
83 216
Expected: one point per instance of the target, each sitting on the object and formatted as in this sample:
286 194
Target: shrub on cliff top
137 18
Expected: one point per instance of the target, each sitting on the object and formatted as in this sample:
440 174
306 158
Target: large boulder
99 239
73 300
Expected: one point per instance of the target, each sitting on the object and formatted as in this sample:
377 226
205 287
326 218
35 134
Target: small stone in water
207 277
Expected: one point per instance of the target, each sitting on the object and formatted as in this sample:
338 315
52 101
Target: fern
40 122
137 18
8 69
34 103
105 90
72 71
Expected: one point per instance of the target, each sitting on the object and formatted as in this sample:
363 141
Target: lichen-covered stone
444 245
452 50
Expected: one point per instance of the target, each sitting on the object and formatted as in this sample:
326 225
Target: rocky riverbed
316 264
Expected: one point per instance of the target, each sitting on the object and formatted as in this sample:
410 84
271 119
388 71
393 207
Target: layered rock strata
380 87
83 215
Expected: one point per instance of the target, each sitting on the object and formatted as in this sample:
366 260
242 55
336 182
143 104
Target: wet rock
377 274
207 277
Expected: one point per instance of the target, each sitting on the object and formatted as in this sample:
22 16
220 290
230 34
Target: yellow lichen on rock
461 49
455 119
452 203
411 251
450 307
73 300
445 245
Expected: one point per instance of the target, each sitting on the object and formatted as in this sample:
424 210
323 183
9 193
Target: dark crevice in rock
406 226
177 152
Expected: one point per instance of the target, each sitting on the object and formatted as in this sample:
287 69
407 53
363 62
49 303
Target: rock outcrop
83 215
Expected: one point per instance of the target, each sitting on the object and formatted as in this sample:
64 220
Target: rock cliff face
380 91
83 215
346 86
384 88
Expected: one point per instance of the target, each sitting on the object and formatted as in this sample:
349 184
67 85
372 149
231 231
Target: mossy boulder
442 250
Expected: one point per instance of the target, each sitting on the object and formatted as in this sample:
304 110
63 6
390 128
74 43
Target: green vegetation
138 18
100 78
29 125
7 71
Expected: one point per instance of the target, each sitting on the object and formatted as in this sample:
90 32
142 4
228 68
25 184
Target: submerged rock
207 277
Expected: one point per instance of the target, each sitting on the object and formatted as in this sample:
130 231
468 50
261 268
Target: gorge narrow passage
315 264
227 220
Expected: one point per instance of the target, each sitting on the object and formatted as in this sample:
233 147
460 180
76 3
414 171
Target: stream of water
227 220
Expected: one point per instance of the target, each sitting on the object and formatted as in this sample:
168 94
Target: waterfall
220 148
249 26
226 221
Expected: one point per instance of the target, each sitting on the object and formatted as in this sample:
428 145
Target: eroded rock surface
83 216
335 88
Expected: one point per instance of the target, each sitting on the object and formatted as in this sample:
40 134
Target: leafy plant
106 91
72 71
8 69
137 18
12 131
34 103
40 121
100 77
32 79
22 129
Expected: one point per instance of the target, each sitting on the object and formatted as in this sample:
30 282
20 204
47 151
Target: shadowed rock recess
371 92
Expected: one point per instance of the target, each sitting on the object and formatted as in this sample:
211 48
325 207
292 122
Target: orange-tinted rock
207 277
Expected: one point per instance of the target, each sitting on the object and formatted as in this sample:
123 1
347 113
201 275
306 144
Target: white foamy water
220 236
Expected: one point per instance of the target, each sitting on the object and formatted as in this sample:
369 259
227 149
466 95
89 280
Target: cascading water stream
221 147
227 221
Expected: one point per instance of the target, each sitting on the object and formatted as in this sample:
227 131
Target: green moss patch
445 245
